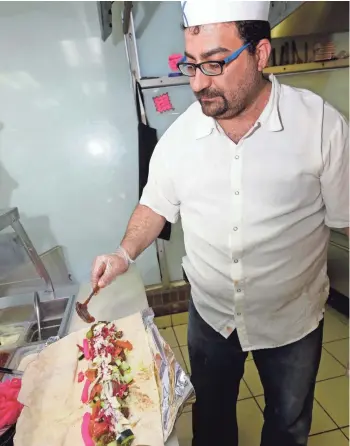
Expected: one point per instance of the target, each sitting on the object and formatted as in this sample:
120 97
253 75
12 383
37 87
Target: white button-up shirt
255 215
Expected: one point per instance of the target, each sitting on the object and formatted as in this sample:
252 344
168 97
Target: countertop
123 297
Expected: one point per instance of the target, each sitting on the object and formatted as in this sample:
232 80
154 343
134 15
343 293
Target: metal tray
17 328
22 352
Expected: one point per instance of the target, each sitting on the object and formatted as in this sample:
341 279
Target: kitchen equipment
82 309
37 313
306 52
10 371
295 55
273 57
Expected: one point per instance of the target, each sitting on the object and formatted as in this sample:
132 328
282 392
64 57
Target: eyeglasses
209 68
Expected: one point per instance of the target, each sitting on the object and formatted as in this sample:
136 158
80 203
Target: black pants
288 375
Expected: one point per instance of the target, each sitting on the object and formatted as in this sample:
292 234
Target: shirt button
239 290
235 260
235 228
237 157
237 192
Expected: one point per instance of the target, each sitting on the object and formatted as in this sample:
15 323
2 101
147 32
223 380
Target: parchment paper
53 411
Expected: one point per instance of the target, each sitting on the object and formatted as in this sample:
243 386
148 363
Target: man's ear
262 53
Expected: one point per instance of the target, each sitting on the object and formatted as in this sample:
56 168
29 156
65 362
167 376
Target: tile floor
330 425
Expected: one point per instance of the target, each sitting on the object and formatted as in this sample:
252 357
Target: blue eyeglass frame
223 62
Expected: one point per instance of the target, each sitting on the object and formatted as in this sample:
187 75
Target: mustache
208 93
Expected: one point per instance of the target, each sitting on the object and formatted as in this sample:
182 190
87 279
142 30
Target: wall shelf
307 67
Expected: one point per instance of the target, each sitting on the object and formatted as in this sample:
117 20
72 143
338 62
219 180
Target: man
258 172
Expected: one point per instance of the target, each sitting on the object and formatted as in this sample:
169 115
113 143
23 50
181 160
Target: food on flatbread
106 383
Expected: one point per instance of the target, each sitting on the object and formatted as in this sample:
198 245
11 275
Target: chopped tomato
80 377
124 344
96 390
95 410
99 429
119 390
111 350
91 374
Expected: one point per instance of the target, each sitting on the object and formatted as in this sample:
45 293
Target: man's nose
200 81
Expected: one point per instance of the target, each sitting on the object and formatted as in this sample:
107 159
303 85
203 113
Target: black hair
250 31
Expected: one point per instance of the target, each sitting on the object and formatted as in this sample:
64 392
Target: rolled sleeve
335 175
159 192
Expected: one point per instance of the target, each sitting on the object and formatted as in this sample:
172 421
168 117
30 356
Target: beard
217 106
231 103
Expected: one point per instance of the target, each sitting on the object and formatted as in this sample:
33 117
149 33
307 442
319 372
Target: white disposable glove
108 267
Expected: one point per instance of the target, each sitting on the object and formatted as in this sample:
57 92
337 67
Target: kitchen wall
68 141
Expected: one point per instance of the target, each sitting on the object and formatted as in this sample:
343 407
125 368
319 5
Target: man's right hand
106 268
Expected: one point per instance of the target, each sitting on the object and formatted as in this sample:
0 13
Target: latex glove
108 267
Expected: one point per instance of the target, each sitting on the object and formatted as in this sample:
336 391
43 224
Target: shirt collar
270 117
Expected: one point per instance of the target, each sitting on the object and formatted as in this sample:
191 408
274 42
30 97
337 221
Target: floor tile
345 431
321 422
244 391
335 438
333 395
163 321
179 319
184 351
329 367
250 421
180 359
334 329
181 334
341 317
340 350
169 336
252 378
184 428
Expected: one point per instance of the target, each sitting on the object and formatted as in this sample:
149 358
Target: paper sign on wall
163 103
173 60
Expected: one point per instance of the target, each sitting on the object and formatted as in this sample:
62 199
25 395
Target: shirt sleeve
159 193
335 175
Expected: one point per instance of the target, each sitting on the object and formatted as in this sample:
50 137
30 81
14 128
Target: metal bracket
281 10
126 16
105 17
131 49
164 272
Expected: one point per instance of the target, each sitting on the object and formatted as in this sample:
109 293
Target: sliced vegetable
89 334
96 390
125 366
81 357
125 438
85 393
127 378
86 348
85 430
124 344
80 377
95 410
99 429
80 348
91 374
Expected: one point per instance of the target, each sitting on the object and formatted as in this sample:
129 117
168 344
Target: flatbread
51 395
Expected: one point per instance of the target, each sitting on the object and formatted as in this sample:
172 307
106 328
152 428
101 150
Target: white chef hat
196 12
